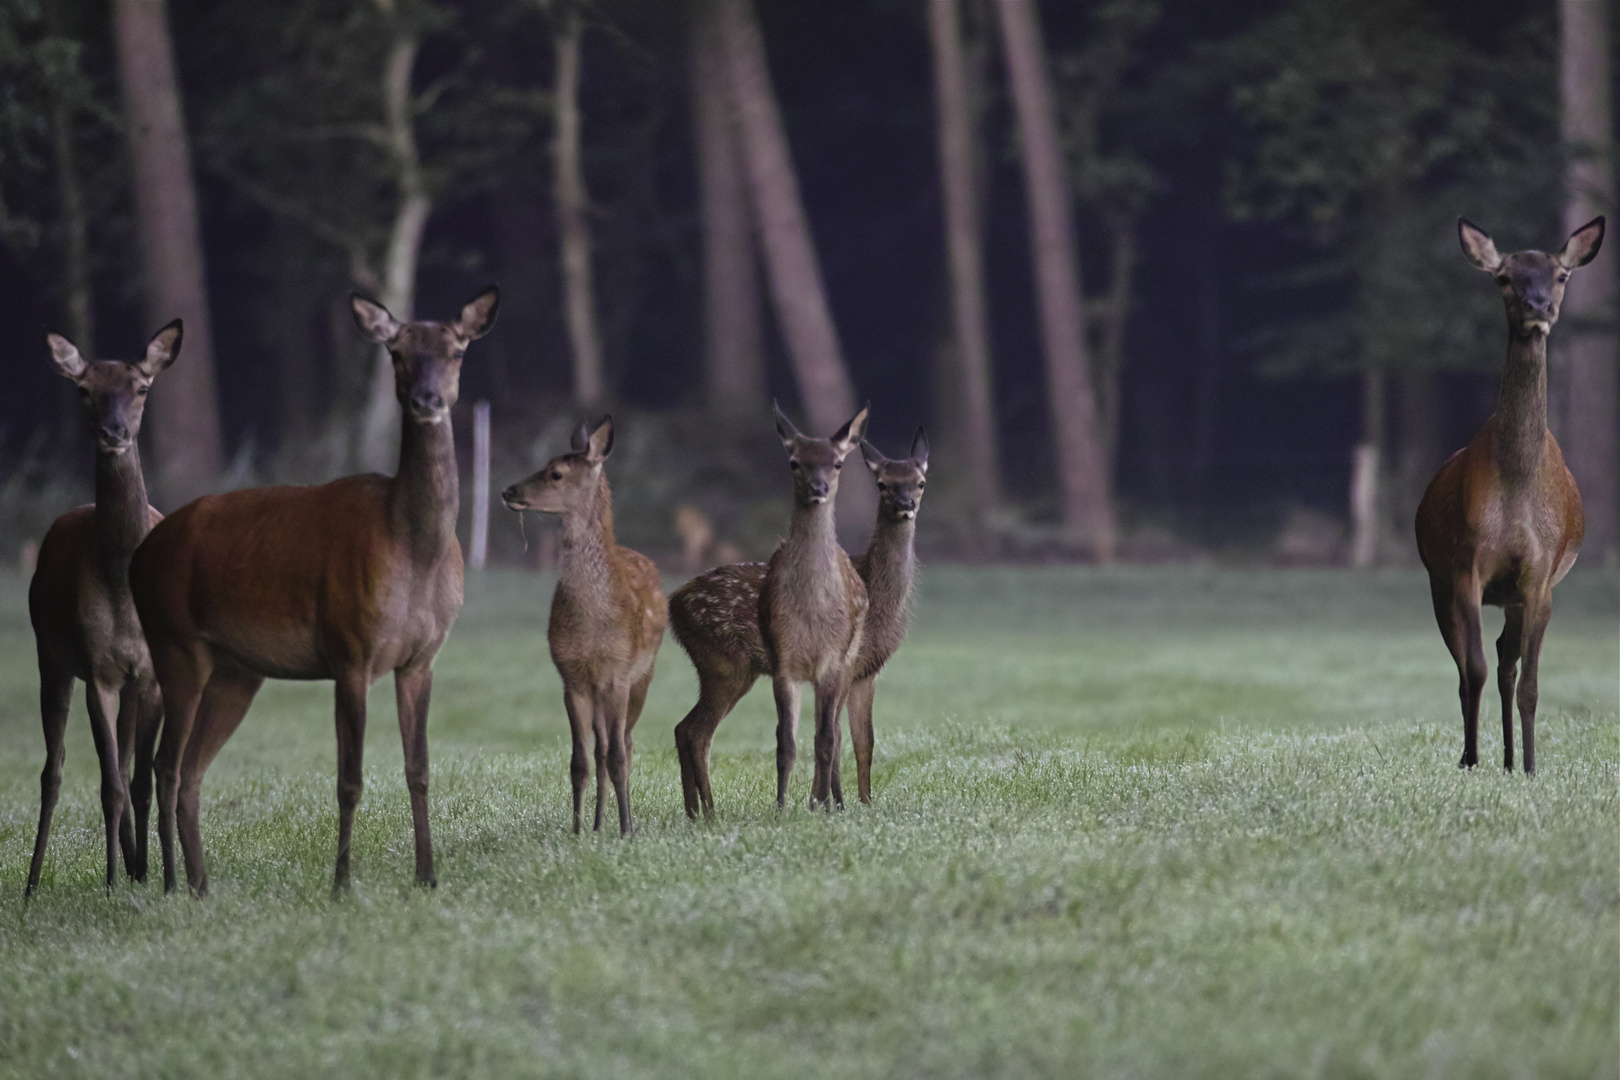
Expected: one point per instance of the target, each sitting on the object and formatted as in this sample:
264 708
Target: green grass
1128 823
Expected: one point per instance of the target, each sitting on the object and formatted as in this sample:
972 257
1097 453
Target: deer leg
1507 674
225 701
182 677
1456 609
579 723
351 741
103 703
128 708
718 694
786 692
1536 617
859 704
829 700
632 712
599 741
413 687
55 699
148 725
614 715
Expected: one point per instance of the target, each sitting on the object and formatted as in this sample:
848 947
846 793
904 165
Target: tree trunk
1207 399
379 428
1417 413
1110 315
573 206
1366 496
1088 510
965 253
733 364
1590 395
184 418
77 293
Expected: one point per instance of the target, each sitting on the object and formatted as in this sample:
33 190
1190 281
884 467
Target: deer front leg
578 705
103 702
55 699
413 688
859 704
786 692
129 705
615 708
148 725
826 788
1536 617
1508 647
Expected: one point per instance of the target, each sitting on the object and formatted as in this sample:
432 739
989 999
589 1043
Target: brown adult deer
812 605
715 617
607 615
1501 521
345 581
85 626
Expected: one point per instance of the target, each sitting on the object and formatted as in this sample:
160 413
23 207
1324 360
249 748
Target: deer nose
113 433
819 488
510 495
905 502
427 401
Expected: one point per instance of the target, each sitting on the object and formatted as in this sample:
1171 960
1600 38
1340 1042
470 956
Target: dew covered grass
1168 822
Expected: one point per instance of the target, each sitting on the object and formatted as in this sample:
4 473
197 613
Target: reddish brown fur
607 616
1501 521
345 581
84 620
715 617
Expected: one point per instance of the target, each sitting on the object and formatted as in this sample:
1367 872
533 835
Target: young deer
607 615
715 617
345 581
85 625
1501 521
812 605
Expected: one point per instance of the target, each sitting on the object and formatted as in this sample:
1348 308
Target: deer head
114 391
900 481
816 462
427 355
1532 282
569 481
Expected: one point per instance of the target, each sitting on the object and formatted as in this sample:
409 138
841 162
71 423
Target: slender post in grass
480 511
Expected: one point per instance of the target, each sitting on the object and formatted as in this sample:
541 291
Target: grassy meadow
1130 822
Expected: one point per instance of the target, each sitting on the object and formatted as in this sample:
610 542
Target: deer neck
583 570
891 563
121 516
425 495
811 549
1521 412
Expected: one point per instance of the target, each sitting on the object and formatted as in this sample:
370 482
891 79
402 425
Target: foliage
1169 823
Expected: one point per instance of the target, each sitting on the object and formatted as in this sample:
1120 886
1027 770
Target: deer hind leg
351 743
1536 617
1507 674
225 702
148 725
103 702
413 688
719 691
786 692
859 704
182 675
55 699
580 712
1456 609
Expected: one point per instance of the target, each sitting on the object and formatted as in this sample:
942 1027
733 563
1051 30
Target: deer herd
174 623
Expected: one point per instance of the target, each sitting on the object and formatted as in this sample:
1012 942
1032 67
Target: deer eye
921 484
1563 278
1503 279
882 486
837 465
140 391
556 474
84 393
793 463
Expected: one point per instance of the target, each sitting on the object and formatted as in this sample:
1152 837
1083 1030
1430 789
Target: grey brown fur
85 625
607 615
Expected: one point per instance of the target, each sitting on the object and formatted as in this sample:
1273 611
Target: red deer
85 626
715 617
1501 521
607 615
345 581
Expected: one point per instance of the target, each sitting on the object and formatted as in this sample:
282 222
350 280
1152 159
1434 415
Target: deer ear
581 440
784 427
919 449
162 350
65 357
600 441
1582 245
478 315
873 457
1478 246
845 438
373 319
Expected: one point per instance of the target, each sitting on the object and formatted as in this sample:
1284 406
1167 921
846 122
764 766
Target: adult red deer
1501 521
345 581
607 615
715 617
85 626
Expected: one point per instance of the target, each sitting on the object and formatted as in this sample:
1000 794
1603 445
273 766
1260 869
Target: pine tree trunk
77 296
1113 312
1589 397
1088 510
965 253
733 365
379 429
1366 474
1420 453
573 208
184 414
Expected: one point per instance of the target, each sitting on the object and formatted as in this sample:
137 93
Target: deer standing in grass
607 615
1501 521
85 626
345 581
715 617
